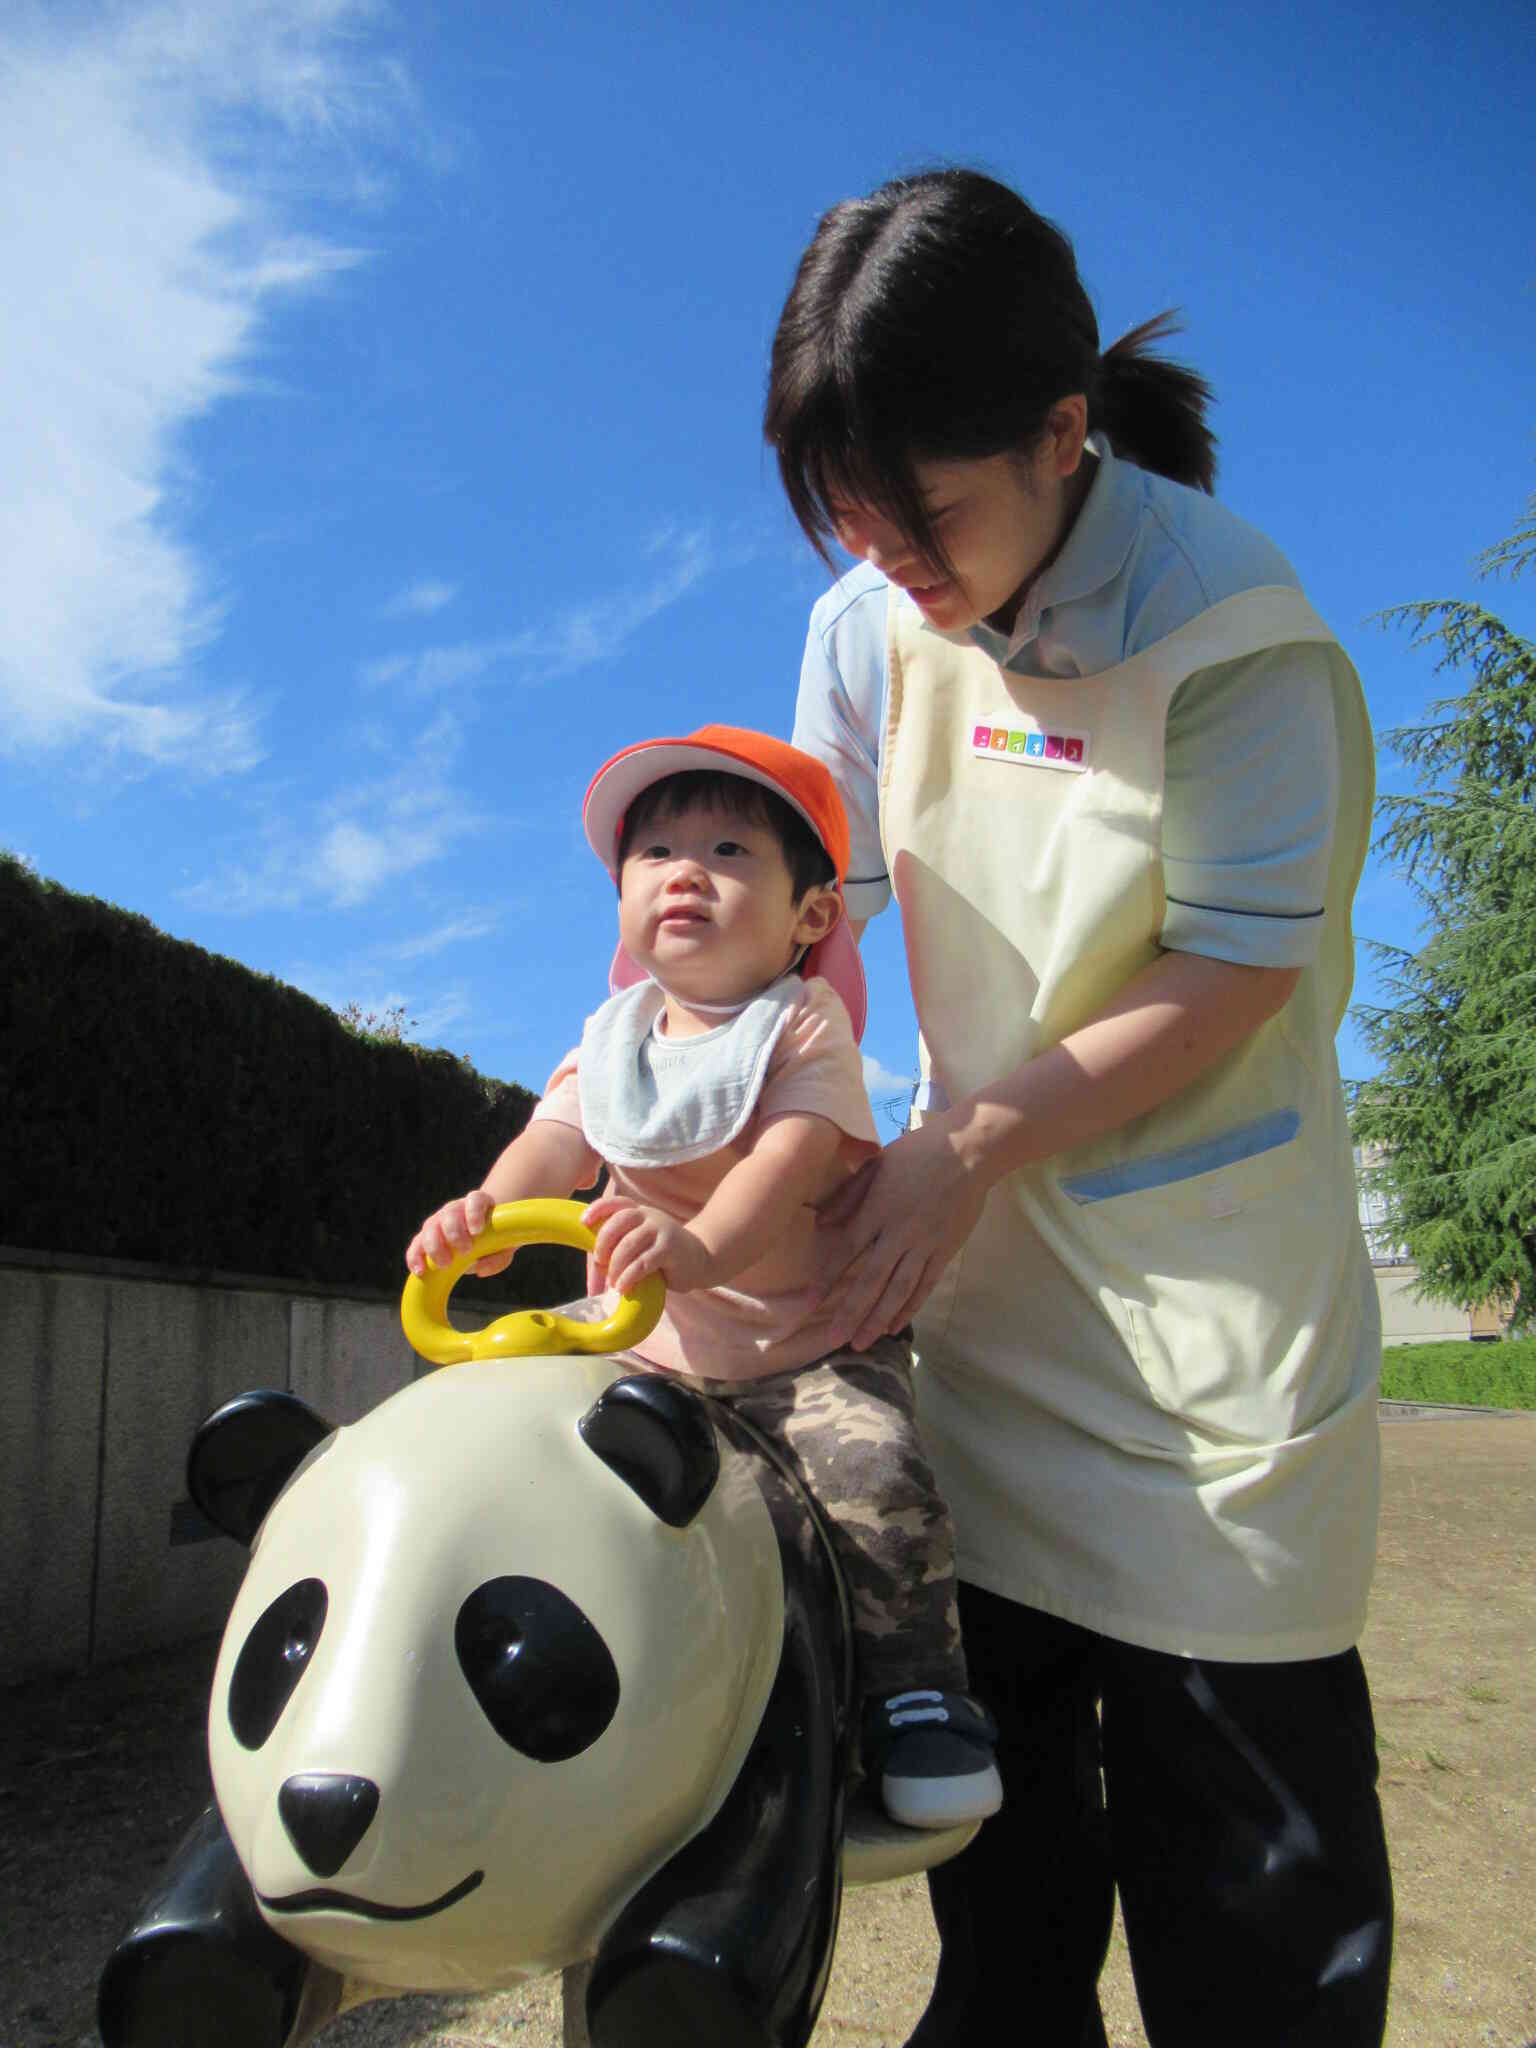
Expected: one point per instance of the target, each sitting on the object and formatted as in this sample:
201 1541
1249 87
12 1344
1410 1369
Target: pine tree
1451 1117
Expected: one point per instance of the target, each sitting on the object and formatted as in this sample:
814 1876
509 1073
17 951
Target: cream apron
1148 1382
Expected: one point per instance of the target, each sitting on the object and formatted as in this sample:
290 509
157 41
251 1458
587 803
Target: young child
721 1087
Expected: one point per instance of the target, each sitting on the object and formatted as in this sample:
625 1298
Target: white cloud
355 843
570 639
890 1095
352 861
880 1080
421 600
459 931
433 1019
143 251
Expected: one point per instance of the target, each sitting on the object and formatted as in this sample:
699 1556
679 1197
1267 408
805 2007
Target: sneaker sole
942 1802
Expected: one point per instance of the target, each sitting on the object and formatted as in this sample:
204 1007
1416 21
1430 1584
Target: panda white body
475 1478
534 1665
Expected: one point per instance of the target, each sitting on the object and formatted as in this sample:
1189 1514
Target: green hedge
1480 1375
159 1102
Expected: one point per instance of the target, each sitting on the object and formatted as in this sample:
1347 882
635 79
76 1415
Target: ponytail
1154 410
940 319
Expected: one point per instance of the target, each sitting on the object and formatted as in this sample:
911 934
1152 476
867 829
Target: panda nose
326 1816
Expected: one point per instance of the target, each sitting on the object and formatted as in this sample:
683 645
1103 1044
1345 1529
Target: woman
1118 776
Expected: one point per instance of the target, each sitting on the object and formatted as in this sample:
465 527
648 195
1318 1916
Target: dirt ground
98 1777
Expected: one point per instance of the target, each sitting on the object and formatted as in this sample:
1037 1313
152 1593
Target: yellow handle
526 1332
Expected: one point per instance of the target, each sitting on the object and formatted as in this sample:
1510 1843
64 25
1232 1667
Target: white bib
649 1100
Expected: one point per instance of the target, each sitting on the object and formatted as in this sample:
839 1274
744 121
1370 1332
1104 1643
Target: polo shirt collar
1094 554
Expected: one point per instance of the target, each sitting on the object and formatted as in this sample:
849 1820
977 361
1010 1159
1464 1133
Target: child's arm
792 1162
545 1158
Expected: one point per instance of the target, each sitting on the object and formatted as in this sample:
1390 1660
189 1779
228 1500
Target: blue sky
379 397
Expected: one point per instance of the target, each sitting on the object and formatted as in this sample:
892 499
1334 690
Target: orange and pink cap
798 777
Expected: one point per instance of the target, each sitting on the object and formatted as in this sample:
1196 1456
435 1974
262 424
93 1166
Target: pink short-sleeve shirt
761 1323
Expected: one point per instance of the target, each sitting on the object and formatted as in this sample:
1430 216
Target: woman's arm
909 1212
839 717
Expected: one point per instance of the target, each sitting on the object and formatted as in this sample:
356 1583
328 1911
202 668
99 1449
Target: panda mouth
323 1900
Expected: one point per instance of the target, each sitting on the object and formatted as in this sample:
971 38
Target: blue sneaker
935 1756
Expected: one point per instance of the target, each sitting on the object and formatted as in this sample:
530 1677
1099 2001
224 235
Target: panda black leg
574 1979
731 1941
200 1968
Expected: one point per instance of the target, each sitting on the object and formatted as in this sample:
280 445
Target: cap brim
618 782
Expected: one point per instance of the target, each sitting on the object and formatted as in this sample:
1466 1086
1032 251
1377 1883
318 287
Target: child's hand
634 1240
450 1233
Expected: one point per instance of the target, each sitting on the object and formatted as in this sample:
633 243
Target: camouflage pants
846 1428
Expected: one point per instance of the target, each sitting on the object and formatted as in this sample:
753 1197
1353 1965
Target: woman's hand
634 1239
898 1223
888 1234
447 1235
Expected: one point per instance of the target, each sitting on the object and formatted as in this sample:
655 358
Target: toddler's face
707 905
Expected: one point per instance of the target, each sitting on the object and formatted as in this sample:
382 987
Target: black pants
1234 1805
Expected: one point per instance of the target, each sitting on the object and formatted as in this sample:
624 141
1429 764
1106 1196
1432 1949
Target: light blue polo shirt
1251 767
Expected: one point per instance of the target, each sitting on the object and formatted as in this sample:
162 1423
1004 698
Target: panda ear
659 1440
244 1455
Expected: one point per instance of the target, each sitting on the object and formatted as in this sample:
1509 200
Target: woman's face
1000 518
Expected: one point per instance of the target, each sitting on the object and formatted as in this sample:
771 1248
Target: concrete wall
106 1370
104 1374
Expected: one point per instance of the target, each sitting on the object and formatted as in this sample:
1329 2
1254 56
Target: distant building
1406 1316
1375 1211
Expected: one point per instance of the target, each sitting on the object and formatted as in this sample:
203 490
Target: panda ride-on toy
541 1665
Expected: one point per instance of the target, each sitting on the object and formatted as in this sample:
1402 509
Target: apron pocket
1227 1273
1160 1171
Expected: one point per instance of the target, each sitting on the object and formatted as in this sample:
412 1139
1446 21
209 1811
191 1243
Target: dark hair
940 319
699 789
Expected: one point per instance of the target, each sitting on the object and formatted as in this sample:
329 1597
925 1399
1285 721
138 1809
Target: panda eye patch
540 1672
273 1659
